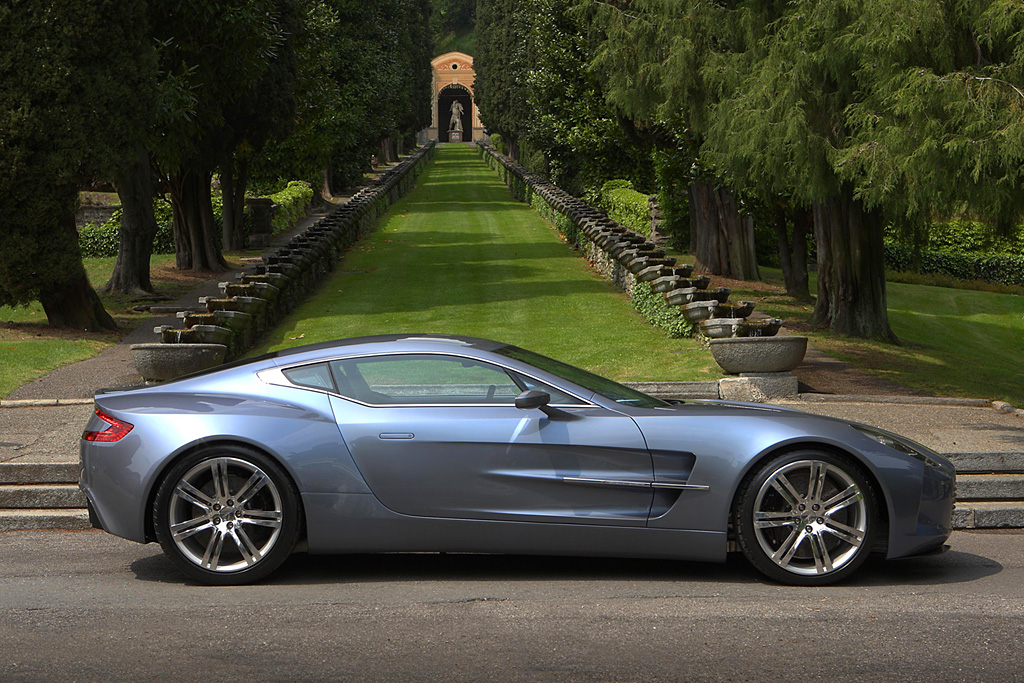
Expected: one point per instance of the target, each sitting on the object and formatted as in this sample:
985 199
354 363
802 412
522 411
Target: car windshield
601 385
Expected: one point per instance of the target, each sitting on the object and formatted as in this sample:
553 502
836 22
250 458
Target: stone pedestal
759 387
262 210
455 136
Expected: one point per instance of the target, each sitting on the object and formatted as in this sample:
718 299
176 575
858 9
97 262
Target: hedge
103 240
626 206
1003 268
292 203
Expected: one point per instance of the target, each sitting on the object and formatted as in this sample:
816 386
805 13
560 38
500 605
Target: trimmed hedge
292 203
1003 268
626 206
103 240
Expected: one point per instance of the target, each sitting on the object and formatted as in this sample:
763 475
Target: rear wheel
806 518
227 515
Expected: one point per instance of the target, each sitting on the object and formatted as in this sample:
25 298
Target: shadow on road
301 569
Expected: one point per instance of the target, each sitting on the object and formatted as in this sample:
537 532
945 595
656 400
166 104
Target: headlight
899 443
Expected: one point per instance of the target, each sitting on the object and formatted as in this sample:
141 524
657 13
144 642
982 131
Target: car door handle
397 436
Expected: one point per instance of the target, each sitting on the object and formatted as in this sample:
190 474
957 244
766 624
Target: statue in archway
456 121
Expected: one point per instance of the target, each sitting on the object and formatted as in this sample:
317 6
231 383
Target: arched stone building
453 82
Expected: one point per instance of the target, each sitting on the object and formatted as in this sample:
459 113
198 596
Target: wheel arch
211 443
755 464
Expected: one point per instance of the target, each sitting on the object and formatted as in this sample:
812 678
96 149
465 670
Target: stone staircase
989 490
41 496
990 494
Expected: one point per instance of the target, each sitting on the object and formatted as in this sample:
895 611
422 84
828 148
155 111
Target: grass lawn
459 255
29 348
955 342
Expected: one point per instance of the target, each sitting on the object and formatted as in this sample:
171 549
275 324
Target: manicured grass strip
23 360
459 255
955 342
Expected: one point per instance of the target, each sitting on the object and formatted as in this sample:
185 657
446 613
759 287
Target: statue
456 122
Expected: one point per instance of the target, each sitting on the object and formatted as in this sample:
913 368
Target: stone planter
162 362
697 311
733 310
213 334
760 328
758 354
720 328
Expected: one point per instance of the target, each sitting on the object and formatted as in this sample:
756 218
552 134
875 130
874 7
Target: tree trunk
793 257
138 227
71 301
851 269
195 227
722 240
232 191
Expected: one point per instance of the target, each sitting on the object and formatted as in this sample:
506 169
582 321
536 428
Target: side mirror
531 399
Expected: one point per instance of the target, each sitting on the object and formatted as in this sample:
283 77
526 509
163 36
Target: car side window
316 376
422 378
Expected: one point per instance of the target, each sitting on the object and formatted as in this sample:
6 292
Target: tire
806 535
213 534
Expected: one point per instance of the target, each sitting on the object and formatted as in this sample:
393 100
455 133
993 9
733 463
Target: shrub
1004 268
291 203
104 240
626 206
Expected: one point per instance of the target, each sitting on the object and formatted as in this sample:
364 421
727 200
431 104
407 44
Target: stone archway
446 99
453 78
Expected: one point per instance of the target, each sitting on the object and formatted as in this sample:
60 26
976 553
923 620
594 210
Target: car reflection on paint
430 443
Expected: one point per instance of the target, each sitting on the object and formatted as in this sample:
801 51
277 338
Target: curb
45 402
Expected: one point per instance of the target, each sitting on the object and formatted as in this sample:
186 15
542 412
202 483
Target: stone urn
758 354
162 362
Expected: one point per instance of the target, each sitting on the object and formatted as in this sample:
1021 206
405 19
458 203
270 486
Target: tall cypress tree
69 113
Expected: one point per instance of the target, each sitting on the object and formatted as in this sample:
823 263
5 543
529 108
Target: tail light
117 429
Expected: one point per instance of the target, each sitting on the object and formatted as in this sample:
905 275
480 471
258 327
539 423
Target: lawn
459 255
29 348
955 342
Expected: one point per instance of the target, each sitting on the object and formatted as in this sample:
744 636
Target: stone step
22 496
987 462
39 473
970 515
74 519
1001 514
990 487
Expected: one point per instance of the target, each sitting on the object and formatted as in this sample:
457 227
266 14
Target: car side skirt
358 523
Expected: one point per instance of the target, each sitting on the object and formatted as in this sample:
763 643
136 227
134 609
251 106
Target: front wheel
806 518
227 515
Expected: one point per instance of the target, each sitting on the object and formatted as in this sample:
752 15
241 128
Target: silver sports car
428 443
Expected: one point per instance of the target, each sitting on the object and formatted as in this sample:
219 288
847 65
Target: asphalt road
88 606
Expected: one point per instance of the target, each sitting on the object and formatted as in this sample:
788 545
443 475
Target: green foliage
292 203
1004 268
73 100
103 240
501 63
673 169
627 206
656 311
973 237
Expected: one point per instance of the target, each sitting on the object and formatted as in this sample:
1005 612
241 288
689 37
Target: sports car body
429 443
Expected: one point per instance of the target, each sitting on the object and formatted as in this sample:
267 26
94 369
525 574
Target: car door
439 436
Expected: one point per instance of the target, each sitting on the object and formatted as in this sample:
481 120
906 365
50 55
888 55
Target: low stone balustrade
228 326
